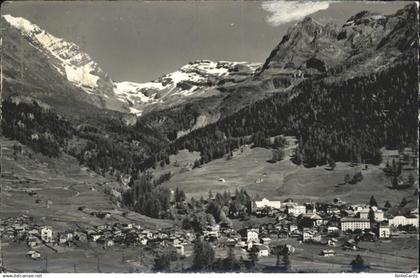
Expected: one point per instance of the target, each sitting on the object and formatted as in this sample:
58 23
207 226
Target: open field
384 257
88 260
250 170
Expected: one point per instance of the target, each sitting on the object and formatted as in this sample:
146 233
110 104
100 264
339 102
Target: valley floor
52 191
249 169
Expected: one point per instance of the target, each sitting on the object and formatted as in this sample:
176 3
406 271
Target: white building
402 220
252 235
261 250
33 254
379 214
46 234
354 224
384 231
179 249
310 235
327 253
266 240
333 230
296 210
267 203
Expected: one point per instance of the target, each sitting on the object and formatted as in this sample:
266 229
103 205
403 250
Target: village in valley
281 231
234 231
192 145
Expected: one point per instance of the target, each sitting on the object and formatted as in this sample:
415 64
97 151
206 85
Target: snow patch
78 66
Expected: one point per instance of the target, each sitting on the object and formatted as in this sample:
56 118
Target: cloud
281 12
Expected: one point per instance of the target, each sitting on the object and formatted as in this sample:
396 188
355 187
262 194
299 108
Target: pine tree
286 261
372 202
403 202
203 255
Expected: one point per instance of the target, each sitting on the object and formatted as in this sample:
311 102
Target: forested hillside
346 112
346 120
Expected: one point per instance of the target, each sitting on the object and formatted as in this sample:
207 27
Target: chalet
62 238
34 255
383 230
332 242
179 249
33 241
80 236
163 236
241 244
353 224
266 240
94 237
102 227
310 235
252 235
126 226
211 236
296 210
333 230
292 227
20 227
117 232
350 244
290 249
267 203
309 220
230 242
46 234
9 234
333 210
147 233
212 232
69 236
106 242
260 250
102 215
327 253
91 232
310 208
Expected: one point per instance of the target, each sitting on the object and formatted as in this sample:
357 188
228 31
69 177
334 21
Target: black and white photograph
209 137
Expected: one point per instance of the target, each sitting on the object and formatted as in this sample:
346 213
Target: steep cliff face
364 43
37 63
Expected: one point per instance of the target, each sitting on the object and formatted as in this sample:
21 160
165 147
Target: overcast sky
139 41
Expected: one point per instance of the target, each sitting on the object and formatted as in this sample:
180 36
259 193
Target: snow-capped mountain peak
199 78
76 65
191 80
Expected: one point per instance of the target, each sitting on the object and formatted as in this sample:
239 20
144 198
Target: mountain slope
67 70
197 79
345 111
365 43
310 51
347 115
39 64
